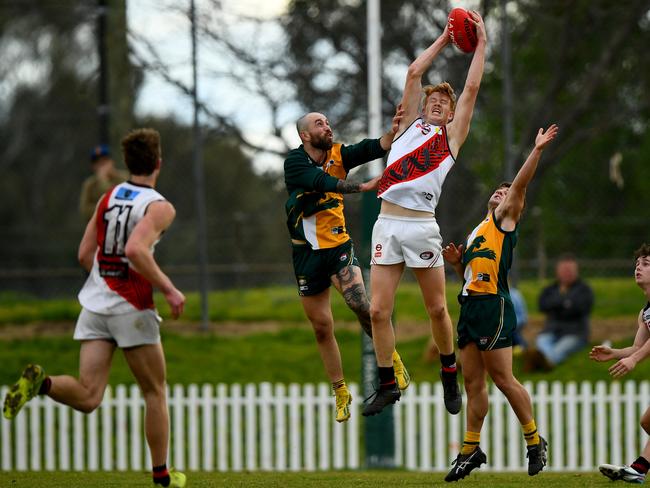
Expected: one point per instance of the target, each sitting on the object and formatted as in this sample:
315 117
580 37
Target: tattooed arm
344 186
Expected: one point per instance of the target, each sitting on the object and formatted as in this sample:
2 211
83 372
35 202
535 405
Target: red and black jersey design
422 160
113 286
418 163
114 267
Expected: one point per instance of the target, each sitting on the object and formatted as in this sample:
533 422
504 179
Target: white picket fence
275 428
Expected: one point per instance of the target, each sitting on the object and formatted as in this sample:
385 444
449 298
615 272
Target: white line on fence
274 427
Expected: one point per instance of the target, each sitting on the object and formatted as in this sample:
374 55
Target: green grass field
286 356
370 479
614 297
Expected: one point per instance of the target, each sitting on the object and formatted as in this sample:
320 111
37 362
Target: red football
462 30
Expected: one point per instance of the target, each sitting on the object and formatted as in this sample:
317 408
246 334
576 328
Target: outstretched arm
603 353
509 210
458 128
413 86
638 352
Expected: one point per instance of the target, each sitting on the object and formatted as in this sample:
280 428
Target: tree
572 63
48 122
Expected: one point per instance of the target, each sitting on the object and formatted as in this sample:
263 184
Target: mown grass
370 479
289 355
614 297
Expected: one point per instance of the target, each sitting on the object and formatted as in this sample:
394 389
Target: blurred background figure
519 344
567 304
104 176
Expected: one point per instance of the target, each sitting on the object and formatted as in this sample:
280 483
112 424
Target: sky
169 31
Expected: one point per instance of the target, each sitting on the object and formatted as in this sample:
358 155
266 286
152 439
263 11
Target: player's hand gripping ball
462 30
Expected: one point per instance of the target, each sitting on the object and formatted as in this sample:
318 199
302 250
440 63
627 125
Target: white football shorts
415 241
131 329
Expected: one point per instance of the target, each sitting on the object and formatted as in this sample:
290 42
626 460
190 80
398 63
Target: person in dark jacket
567 304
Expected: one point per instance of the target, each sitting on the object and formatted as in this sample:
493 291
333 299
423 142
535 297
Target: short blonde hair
444 88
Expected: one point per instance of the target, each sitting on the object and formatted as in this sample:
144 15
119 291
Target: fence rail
278 428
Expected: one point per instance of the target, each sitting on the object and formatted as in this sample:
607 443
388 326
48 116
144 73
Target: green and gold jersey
487 258
314 207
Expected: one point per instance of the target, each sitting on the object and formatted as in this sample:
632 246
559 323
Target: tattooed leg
349 282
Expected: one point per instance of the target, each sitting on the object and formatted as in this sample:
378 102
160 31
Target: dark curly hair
642 252
141 150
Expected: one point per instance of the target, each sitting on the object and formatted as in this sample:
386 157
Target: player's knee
323 329
90 404
379 315
504 382
437 311
323 335
360 308
475 385
154 390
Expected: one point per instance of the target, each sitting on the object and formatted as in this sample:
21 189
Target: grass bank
289 355
614 297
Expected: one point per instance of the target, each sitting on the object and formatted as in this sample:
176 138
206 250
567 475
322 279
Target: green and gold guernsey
487 258
314 207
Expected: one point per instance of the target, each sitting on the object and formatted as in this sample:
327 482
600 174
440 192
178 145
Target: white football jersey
113 287
418 163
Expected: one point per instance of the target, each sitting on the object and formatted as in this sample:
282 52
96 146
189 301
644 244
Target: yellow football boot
401 375
343 401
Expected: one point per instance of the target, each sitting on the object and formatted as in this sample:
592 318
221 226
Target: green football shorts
314 267
487 320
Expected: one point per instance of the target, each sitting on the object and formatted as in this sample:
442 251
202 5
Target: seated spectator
567 304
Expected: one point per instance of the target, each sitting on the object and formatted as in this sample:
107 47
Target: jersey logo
483 277
424 128
474 251
126 194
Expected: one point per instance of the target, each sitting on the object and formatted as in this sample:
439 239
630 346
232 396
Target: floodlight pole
202 242
379 431
508 131
507 93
